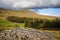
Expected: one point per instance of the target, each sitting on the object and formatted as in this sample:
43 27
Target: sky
25 4
44 7
48 11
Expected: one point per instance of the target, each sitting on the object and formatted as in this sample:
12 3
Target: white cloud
50 14
45 13
20 4
23 4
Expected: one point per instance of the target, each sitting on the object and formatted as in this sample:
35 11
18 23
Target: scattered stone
26 34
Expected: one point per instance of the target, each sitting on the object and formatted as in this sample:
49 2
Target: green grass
58 37
21 25
4 24
57 32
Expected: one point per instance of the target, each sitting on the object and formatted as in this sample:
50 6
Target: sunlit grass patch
58 37
57 33
22 25
5 23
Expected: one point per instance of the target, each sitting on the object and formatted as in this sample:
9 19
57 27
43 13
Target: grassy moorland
4 13
22 13
19 14
6 22
7 16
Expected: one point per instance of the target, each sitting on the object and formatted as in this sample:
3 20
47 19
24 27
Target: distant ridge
22 13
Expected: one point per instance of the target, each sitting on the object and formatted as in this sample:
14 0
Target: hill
6 24
22 13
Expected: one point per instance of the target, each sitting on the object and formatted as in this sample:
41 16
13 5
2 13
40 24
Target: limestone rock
25 34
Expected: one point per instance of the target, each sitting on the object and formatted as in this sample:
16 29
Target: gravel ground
26 34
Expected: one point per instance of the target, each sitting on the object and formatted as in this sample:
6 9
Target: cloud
50 14
23 4
45 13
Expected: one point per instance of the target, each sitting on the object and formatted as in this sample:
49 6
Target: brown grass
23 13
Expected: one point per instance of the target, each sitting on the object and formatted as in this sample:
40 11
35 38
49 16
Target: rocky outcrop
26 34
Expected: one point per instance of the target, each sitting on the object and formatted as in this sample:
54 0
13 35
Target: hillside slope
22 13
